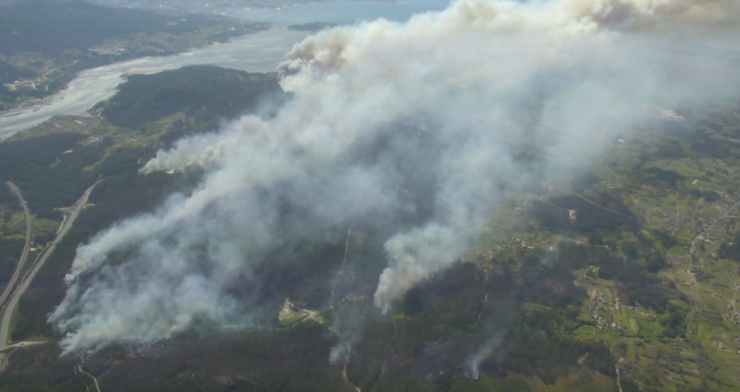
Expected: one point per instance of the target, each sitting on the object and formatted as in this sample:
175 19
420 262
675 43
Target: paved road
97 386
18 269
72 213
20 344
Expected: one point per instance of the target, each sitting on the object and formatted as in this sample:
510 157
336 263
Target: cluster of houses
708 237
684 283
514 244
605 325
110 50
597 301
590 272
735 318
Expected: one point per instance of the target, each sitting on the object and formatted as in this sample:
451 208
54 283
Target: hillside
204 93
56 161
623 277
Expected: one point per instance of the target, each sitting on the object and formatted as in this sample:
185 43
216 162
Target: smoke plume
486 350
407 128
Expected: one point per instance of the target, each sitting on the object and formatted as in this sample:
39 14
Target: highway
22 261
71 213
19 344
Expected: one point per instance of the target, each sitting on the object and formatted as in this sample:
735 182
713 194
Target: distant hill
55 26
315 26
44 43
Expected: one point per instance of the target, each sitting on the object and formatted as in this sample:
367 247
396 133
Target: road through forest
24 255
72 213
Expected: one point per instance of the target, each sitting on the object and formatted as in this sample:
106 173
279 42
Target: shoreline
93 85
122 59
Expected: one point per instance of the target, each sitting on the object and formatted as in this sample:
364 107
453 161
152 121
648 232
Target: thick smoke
405 128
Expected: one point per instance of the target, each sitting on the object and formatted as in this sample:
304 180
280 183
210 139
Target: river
258 52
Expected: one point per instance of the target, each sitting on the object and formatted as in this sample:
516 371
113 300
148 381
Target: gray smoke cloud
406 128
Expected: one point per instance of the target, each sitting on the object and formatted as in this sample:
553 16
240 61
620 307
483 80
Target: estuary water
259 52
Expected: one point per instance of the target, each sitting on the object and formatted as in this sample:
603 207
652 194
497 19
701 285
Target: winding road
71 213
97 386
22 261
42 78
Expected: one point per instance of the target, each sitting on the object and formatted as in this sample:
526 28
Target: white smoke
392 123
414 255
486 350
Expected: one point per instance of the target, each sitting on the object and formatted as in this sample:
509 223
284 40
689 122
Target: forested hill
56 161
204 92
